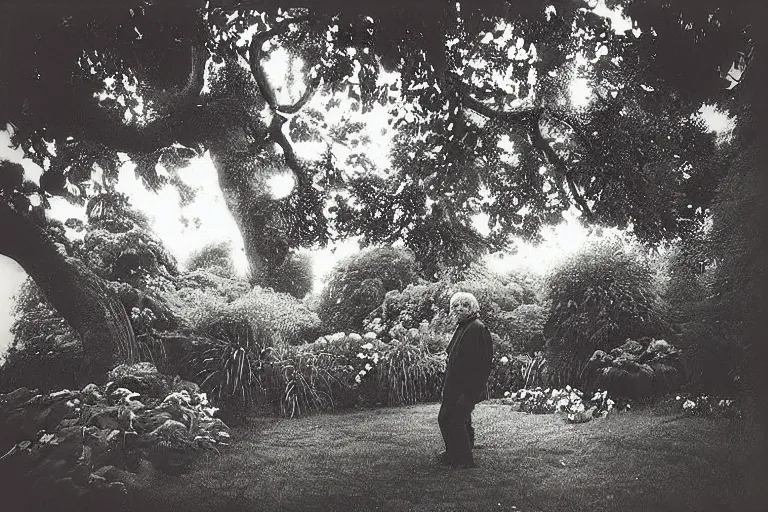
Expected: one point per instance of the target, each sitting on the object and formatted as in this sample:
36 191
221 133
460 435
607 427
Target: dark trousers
458 435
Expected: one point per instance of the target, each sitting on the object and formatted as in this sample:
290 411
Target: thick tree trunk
80 296
245 190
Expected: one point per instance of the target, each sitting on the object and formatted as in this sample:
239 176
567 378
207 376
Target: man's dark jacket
469 361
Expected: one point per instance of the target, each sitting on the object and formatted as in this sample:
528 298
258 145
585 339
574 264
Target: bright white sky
208 219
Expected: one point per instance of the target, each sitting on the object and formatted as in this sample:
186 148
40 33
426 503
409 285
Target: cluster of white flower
372 360
568 400
704 404
376 326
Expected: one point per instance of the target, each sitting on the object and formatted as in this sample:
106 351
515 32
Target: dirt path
384 460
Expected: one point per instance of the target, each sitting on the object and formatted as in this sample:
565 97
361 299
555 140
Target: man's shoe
444 459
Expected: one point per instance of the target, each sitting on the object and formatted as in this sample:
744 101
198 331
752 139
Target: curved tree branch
541 143
256 55
280 111
520 117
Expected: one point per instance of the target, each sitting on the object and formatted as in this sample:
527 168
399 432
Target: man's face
461 309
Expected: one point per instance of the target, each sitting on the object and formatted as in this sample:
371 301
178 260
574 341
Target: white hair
466 298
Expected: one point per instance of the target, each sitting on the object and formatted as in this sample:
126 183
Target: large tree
79 295
164 80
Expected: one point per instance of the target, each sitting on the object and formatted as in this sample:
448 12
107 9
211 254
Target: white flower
506 393
370 335
689 404
368 367
375 357
567 388
367 346
357 379
362 373
504 360
361 355
677 397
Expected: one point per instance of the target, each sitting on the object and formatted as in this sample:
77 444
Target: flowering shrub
568 401
329 374
705 405
299 383
346 369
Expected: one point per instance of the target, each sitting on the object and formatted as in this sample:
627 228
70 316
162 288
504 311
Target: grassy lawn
385 460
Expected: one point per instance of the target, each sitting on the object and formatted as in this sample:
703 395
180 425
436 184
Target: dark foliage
357 286
599 297
294 276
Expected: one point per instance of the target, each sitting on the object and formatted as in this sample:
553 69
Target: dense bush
410 370
203 286
601 296
526 327
411 306
357 286
507 372
637 370
215 257
737 239
284 318
711 352
295 276
532 285
225 364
